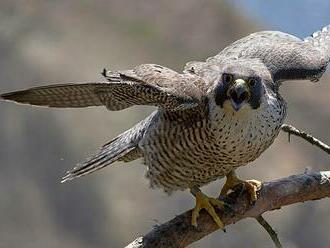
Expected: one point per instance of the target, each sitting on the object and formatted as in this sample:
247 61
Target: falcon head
240 86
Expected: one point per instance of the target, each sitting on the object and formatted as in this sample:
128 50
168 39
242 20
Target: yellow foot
207 203
251 186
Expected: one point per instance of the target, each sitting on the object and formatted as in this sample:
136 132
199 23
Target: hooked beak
238 94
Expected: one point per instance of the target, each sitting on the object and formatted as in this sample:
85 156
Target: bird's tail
109 153
123 148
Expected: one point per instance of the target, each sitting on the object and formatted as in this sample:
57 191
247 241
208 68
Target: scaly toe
207 203
252 186
255 183
194 216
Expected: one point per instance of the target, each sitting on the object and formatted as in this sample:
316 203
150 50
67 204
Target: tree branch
179 233
292 130
270 231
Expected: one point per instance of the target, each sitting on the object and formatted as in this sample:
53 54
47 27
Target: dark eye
252 81
227 78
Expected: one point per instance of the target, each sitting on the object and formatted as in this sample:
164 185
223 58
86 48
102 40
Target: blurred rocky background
62 41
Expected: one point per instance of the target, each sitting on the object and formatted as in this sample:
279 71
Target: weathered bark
178 232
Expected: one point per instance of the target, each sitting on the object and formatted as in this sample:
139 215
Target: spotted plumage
214 117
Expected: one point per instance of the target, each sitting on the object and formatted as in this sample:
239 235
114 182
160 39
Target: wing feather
146 84
286 56
60 95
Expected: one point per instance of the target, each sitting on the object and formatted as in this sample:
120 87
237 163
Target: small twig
269 230
292 130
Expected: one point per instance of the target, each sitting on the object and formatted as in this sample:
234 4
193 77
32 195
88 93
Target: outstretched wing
146 84
286 56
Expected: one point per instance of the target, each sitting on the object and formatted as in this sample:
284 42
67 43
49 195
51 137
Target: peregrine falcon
212 118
